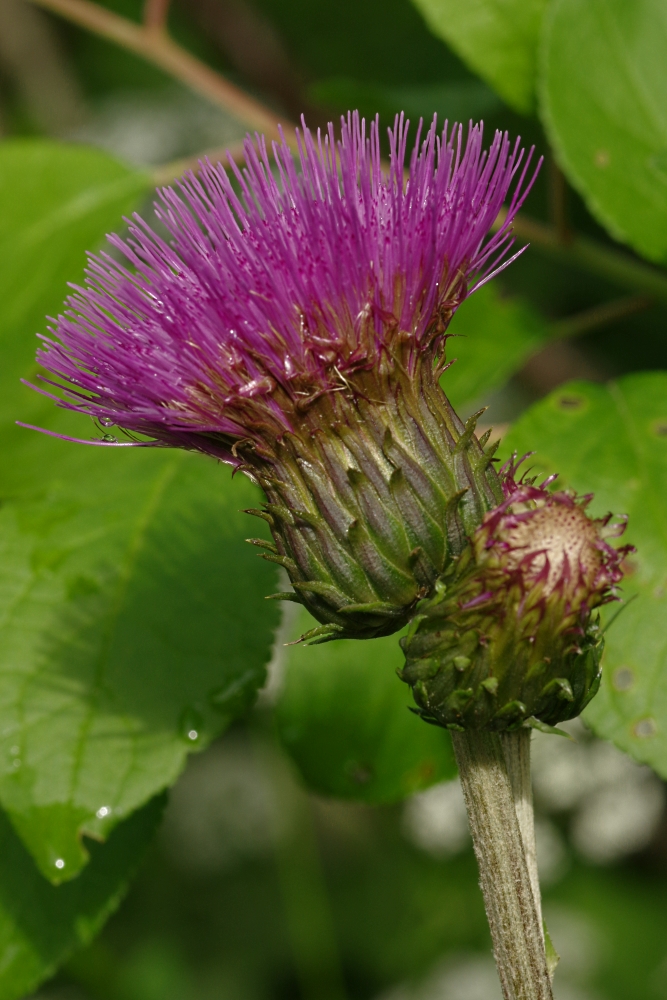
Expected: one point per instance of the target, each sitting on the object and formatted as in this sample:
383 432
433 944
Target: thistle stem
505 879
516 748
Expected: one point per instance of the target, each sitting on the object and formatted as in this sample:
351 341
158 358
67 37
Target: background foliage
133 629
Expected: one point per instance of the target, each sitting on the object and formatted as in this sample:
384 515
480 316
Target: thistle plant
294 326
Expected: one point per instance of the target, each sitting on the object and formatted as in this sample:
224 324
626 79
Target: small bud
510 634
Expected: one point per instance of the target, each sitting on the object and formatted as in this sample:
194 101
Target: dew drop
191 725
109 439
60 863
103 811
14 751
107 421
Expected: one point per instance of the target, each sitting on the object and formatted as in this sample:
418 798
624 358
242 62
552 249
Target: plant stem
516 748
597 316
158 48
515 925
582 252
155 14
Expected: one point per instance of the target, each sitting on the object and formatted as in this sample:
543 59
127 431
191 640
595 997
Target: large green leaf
604 101
40 925
612 440
492 337
56 202
497 38
343 716
132 628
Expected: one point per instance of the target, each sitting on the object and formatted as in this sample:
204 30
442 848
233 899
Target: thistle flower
294 326
510 634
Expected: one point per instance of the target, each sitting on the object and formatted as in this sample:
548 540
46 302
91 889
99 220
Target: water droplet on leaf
191 725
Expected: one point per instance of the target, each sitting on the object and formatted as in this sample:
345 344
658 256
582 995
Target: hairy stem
513 917
516 747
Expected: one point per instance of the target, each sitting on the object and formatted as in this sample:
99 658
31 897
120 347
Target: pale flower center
562 537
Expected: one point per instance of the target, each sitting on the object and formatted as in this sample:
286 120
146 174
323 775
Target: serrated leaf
133 627
492 337
612 440
56 202
604 101
343 716
40 925
498 39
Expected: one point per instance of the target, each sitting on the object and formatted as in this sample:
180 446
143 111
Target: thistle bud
295 327
510 634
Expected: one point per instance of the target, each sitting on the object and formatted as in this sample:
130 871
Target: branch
156 47
580 251
155 15
591 319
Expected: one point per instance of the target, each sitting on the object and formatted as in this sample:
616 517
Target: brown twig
157 47
608 312
155 15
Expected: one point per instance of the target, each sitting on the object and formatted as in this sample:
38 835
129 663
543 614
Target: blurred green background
255 890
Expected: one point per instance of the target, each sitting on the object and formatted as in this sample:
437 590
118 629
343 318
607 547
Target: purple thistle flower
264 300
294 326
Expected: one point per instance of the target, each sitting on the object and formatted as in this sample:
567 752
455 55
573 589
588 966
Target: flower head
282 289
292 326
510 634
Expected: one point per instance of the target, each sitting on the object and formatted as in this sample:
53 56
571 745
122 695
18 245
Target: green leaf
40 925
492 338
133 627
498 39
612 440
343 716
56 202
604 102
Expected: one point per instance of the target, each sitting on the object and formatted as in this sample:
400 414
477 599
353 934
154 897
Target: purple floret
281 281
